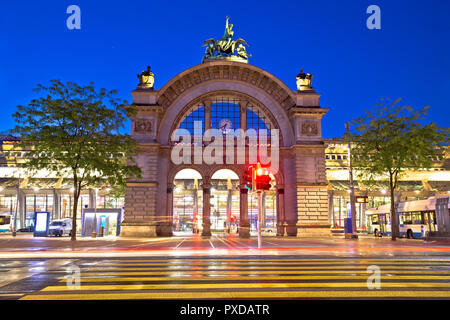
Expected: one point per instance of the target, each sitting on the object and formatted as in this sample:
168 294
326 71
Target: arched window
196 115
229 110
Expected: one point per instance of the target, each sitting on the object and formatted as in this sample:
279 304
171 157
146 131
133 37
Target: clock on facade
225 125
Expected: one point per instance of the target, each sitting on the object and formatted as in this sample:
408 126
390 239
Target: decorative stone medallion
143 126
310 128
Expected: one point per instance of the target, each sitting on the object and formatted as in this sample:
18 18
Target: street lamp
17 205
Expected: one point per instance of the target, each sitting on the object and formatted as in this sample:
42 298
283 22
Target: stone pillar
207 106
290 193
312 191
170 201
92 198
164 206
195 199
229 206
22 209
56 205
312 201
142 217
139 219
243 105
206 232
280 211
244 225
363 215
331 218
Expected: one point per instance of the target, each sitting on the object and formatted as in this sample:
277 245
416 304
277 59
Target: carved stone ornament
310 128
143 126
304 81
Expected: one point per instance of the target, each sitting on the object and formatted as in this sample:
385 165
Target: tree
74 131
391 140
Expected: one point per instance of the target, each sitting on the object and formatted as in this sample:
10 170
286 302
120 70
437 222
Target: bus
5 223
416 218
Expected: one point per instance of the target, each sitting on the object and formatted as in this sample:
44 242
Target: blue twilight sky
352 66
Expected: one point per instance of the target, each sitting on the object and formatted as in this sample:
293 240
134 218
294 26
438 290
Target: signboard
41 221
361 199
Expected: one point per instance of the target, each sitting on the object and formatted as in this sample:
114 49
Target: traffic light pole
254 189
259 217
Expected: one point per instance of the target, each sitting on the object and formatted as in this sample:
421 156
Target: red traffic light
262 178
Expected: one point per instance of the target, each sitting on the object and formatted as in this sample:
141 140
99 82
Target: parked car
26 229
60 227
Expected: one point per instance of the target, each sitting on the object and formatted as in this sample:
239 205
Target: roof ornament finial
225 47
304 81
146 79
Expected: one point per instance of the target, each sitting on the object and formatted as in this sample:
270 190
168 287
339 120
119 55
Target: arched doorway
225 206
187 202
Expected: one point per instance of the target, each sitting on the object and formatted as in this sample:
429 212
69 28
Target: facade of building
210 92
22 195
413 185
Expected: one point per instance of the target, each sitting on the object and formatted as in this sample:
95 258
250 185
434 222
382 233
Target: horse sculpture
226 46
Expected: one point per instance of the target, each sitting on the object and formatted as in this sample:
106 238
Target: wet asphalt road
222 267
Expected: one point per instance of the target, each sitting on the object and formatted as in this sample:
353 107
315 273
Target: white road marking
176 247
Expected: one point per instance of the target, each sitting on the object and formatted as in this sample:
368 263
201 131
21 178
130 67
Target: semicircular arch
273 110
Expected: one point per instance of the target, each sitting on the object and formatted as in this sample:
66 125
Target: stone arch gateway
246 97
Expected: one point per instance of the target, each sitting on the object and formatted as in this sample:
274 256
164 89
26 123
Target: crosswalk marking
244 286
243 294
211 268
217 272
253 277
226 278
269 263
281 260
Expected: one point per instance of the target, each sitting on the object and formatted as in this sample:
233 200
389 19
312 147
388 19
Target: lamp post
15 213
14 231
94 230
259 217
352 189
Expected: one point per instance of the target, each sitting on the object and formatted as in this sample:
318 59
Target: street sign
361 199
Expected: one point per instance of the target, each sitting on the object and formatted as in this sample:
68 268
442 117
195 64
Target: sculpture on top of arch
224 48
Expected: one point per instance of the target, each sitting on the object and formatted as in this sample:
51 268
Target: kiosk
108 222
41 222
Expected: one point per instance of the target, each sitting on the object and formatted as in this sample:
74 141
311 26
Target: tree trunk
76 194
393 213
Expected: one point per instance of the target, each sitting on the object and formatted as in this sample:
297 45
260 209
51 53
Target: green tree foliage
74 131
392 139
